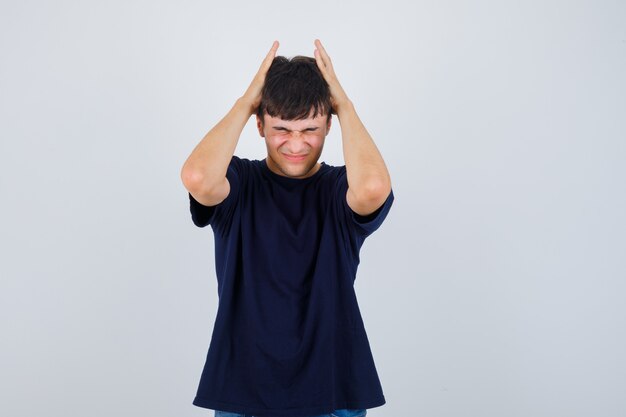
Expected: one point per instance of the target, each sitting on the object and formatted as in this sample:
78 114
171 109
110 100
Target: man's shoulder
242 160
244 165
334 172
334 169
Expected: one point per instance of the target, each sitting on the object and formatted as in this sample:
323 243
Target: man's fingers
272 53
320 47
267 62
324 55
273 49
318 60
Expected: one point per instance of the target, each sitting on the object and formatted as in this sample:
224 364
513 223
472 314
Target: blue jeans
337 413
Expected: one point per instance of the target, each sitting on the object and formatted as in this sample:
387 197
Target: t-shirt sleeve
220 214
362 225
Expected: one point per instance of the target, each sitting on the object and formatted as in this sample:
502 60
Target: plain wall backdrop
496 285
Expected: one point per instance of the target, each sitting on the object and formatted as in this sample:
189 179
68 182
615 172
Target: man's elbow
191 179
377 189
370 198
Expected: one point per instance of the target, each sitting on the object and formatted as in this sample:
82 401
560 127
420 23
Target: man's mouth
294 158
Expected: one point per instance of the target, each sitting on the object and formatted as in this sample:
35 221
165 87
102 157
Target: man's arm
369 183
204 172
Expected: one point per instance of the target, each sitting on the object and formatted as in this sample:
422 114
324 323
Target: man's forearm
367 173
206 166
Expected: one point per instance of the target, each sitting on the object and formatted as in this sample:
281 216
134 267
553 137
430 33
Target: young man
288 338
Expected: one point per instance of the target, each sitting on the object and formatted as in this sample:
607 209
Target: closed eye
310 129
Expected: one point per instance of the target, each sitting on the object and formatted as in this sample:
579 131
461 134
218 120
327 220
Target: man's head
294 116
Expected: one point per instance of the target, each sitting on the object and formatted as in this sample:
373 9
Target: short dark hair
293 88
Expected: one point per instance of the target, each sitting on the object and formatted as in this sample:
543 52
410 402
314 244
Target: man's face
294 147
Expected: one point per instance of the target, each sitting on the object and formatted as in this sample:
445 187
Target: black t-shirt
288 338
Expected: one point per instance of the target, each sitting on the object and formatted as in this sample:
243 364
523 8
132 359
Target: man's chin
296 172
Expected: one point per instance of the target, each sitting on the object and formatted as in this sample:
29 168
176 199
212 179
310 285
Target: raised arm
369 182
204 172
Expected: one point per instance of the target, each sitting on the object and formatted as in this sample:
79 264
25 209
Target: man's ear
259 125
328 125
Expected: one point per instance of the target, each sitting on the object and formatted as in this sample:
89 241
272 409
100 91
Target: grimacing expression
294 146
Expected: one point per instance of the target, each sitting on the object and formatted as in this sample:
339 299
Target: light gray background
496 285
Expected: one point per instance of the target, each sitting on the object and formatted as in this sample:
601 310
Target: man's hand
252 96
338 97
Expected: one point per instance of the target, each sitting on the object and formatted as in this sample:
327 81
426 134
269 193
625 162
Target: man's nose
296 142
